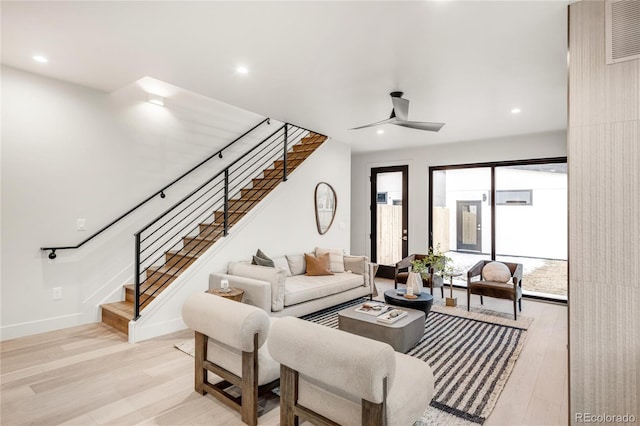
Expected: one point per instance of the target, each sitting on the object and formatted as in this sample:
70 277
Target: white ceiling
327 66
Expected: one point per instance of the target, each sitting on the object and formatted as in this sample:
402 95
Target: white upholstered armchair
230 339
331 377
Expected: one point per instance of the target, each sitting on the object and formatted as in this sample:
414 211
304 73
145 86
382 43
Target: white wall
70 152
542 145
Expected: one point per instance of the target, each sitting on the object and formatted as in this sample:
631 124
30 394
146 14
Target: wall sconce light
155 99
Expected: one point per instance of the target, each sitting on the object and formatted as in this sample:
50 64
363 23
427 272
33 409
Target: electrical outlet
81 225
57 293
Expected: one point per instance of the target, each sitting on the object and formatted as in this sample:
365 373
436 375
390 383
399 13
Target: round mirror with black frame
326 202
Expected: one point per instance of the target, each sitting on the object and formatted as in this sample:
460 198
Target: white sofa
286 290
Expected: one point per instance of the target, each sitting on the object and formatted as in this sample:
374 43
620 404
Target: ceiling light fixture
516 111
380 131
40 58
155 99
242 70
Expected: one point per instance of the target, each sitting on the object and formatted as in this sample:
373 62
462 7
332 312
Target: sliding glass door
514 212
531 224
461 214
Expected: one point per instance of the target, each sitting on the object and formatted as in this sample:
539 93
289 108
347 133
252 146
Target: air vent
623 30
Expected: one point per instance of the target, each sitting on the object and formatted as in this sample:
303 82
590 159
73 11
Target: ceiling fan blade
388 120
420 125
401 108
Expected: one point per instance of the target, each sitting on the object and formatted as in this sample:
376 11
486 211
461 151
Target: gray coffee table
402 335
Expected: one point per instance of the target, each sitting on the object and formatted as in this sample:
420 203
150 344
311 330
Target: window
514 197
473 218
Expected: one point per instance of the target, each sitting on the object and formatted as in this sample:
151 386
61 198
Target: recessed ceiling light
242 70
380 131
40 58
516 111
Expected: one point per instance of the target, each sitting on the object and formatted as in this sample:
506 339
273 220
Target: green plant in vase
436 260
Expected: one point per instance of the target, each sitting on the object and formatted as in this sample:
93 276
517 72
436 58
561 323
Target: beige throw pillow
296 262
336 255
496 271
317 266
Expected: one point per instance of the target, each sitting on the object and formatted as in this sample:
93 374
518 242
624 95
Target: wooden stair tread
122 308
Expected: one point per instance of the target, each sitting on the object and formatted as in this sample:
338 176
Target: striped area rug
471 359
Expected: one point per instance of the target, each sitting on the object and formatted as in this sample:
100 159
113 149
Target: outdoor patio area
542 277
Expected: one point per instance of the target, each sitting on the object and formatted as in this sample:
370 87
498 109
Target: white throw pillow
297 264
496 271
336 257
281 262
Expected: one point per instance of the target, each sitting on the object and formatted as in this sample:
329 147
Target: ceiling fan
400 114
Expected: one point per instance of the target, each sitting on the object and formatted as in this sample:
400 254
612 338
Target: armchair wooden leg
200 356
515 311
481 300
468 300
520 304
249 398
288 396
442 291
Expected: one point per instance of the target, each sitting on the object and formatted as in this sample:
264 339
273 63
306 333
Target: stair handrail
218 153
208 181
224 199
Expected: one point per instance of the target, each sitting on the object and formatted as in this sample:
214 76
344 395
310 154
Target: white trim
41 326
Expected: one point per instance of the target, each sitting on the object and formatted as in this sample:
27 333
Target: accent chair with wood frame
230 343
402 274
511 289
331 377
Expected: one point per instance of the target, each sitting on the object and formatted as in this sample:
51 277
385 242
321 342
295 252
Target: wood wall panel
604 222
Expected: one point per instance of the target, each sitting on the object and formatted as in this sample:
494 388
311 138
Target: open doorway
389 217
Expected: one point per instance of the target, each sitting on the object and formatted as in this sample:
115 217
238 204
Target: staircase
156 277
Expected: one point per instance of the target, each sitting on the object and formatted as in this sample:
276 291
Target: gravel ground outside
539 275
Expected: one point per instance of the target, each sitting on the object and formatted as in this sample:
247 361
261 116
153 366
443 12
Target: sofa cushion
297 264
356 264
275 276
336 255
262 262
496 271
317 266
281 262
302 288
262 259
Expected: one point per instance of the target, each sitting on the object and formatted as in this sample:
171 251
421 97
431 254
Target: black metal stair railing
178 236
160 192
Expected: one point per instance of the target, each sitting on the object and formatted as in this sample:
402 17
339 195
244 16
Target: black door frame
384 270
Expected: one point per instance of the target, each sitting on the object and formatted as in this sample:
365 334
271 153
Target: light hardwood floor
90 375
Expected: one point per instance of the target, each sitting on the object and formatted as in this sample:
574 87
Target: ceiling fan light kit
400 116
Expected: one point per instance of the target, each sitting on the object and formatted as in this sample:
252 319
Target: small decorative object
326 202
224 285
410 296
450 272
414 283
392 316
